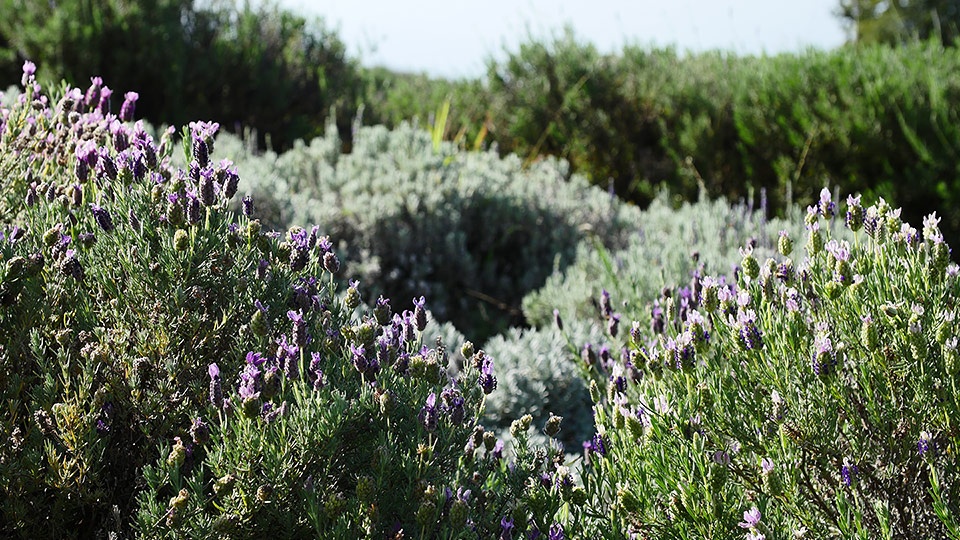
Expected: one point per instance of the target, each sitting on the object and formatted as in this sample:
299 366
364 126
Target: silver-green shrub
538 377
666 248
472 231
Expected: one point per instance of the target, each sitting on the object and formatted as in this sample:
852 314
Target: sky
454 38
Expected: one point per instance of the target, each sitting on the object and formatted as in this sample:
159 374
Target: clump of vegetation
813 394
174 368
472 231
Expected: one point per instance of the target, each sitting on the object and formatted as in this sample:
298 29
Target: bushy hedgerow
810 399
246 65
863 118
473 231
172 368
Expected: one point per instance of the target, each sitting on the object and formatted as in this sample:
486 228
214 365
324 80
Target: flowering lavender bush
171 368
812 399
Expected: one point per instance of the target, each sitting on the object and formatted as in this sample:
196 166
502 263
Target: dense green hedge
246 65
877 120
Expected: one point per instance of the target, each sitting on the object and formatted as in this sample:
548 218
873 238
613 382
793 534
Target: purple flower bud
331 263
193 208
129 103
247 205
486 380
420 313
102 217
216 387
93 93
382 312
31 198
557 320
556 532
605 307
613 324
104 105
299 327
428 416
201 154
105 165
206 189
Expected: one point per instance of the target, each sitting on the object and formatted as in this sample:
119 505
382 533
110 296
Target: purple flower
429 416
824 358
104 105
360 362
407 334
497 452
925 443
750 335
556 532
129 103
487 381
597 445
102 217
826 207
382 312
613 324
316 373
506 528
299 327
105 165
216 387
207 192
751 518
557 321
420 313
848 473
93 92
247 205
29 68
606 309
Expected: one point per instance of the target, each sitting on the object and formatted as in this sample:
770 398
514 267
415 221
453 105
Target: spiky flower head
420 313
102 217
429 416
487 381
129 104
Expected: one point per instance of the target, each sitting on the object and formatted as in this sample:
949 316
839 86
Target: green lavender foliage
118 349
666 248
474 232
821 404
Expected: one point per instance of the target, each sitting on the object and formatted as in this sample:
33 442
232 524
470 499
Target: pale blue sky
453 37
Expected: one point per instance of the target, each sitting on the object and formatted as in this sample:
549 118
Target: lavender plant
813 399
172 368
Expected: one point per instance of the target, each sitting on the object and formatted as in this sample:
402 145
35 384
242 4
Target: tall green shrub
245 65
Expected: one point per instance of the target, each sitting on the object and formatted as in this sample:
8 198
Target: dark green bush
245 65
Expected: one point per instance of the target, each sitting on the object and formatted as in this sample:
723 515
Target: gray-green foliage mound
470 230
666 250
540 378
